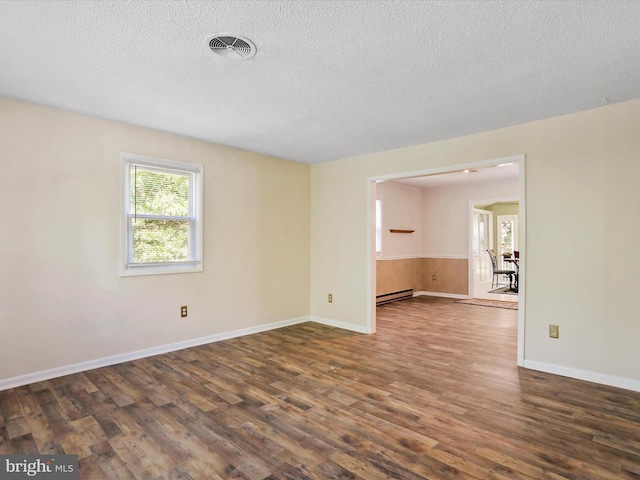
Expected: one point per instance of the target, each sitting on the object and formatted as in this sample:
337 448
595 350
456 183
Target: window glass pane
507 237
160 240
159 192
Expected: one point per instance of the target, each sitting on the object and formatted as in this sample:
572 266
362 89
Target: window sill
162 269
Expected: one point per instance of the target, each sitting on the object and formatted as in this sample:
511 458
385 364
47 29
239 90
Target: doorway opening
488 168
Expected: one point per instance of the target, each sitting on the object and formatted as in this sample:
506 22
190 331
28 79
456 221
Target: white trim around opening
371 254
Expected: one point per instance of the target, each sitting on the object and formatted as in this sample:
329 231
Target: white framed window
162 216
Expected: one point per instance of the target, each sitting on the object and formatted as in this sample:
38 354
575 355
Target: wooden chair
497 272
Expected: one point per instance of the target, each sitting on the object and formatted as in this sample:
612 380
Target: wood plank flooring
434 394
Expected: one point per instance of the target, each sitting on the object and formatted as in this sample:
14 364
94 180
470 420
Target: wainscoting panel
417 273
452 275
399 274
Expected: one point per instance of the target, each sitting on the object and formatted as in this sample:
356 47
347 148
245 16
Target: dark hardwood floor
434 394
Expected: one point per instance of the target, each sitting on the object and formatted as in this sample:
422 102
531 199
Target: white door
482 241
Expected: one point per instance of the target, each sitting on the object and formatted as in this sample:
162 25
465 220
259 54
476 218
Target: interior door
482 241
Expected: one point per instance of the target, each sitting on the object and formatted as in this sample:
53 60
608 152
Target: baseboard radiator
394 296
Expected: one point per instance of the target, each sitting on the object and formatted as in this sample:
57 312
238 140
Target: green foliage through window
160 241
159 212
507 237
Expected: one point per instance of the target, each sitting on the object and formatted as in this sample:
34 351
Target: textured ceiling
331 79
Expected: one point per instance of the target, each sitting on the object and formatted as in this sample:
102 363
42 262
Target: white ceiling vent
231 46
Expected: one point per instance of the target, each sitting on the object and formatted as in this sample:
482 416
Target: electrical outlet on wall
554 331
183 311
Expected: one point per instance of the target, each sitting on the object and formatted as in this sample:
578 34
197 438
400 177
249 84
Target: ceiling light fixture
505 164
230 46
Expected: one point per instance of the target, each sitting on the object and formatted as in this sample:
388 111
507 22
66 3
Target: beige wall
62 299
401 210
446 214
582 174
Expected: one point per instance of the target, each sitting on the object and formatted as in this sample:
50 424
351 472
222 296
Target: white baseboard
594 377
337 324
29 378
147 352
440 294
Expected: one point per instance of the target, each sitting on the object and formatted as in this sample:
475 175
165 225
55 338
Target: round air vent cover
231 46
